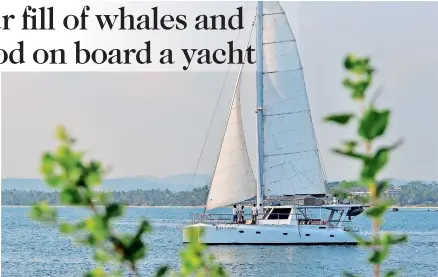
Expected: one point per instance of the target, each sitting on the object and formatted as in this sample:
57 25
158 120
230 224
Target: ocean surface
34 250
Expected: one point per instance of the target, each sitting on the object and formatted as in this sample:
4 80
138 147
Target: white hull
271 234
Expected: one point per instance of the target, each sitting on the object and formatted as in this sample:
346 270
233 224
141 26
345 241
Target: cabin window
307 235
241 231
258 232
332 236
280 213
321 227
285 234
266 213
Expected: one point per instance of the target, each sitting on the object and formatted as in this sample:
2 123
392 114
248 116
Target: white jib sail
291 162
233 179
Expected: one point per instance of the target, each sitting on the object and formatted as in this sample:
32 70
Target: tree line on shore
413 193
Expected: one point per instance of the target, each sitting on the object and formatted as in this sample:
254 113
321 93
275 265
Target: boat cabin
331 215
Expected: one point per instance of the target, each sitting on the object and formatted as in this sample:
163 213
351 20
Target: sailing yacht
290 171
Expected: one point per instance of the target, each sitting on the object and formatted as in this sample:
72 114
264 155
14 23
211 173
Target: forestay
291 163
233 179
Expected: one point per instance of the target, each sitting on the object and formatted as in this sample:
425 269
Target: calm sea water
34 250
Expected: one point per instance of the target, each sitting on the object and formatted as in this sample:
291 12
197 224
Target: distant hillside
182 182
416 193
394 182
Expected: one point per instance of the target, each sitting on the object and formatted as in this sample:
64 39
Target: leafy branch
372 124
77 180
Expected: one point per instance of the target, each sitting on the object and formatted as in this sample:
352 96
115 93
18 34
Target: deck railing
216 219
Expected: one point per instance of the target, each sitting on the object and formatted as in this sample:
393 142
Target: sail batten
291 164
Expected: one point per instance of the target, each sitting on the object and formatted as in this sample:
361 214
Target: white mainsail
291 163
233 179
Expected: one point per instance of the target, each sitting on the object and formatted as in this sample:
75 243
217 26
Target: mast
231 184
259 52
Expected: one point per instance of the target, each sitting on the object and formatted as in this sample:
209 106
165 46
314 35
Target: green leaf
396 239
195 233
350 146
52 180
372 166
162 271
113 210
94 173
358 65
381 187
63 136
391 273
145 227
61 133
373 123
339 118
136 250
379 160
67 228
43 212
363 71
348 274
101 256
81 225
102 197
193 260
357 88
93 179
97 228
350 154
218 271
47 164
95 272
70 196
377 257
378 210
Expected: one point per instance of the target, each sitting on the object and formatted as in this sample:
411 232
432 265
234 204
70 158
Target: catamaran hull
270 235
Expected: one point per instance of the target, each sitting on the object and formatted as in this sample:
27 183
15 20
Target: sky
155 123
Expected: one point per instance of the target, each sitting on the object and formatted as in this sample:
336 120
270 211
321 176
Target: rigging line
324 175
232 102
215 109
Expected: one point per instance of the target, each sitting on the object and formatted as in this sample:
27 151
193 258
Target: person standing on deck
254 214
260 211
240 215
234 213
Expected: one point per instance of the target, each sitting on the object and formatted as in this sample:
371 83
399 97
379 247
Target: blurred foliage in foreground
372 123
77 180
